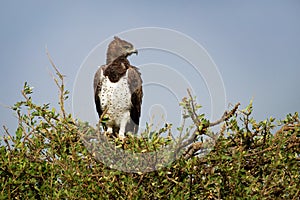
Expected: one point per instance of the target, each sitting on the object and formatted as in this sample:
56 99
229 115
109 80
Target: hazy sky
254 44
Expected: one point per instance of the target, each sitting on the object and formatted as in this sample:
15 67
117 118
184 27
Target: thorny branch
194 147
225 116
61 85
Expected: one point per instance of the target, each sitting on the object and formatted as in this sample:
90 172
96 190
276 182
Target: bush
47 157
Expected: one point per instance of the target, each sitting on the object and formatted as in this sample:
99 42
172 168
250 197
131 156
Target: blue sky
255 45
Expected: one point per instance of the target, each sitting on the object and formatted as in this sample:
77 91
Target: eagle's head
117 48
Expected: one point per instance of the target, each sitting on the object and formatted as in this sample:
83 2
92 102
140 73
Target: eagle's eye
127 47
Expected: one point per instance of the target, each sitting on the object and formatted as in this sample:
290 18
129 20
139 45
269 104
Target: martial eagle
118 90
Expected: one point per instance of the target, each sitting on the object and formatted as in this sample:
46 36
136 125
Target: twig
286 127
61 86
101 118
61 77
5 140
192 138
261 152
196 146
225 116
192 149
194 115
103 114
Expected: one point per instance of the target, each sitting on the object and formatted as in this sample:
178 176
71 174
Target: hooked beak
132 51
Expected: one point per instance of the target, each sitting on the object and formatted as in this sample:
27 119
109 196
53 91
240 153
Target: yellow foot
122 138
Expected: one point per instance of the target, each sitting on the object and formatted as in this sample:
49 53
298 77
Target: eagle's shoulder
134 78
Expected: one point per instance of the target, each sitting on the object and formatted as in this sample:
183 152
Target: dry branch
60 85
194 147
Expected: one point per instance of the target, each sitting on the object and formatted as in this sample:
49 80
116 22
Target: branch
194 115
225 116
61 86
5 139
192 149
196 146
285 128
192 138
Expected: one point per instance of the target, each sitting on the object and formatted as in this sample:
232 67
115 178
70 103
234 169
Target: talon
122 138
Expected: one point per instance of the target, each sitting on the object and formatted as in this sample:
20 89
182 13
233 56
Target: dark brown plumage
118 89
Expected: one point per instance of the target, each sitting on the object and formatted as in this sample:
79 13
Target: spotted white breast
117 97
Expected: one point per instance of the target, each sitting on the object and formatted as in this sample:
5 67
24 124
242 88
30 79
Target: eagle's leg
124 121
109 131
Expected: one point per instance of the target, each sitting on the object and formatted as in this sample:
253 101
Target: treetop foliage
48 157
